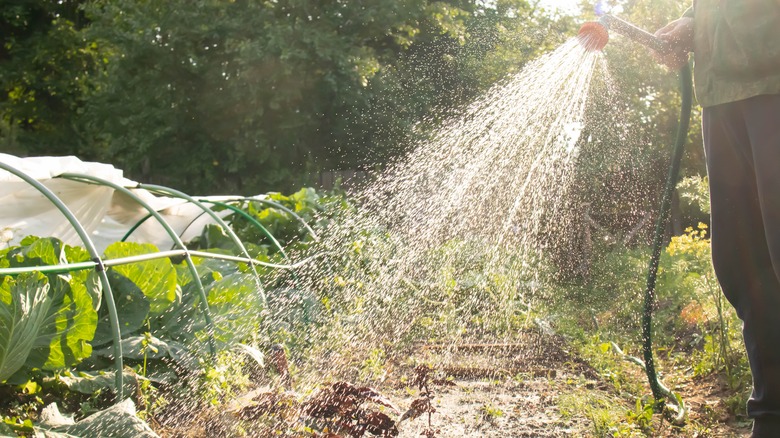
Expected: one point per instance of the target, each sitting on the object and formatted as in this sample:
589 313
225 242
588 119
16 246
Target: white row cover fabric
104 213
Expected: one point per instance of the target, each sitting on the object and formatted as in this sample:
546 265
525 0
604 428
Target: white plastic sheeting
106 214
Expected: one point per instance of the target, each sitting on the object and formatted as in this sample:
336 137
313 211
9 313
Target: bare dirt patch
531 387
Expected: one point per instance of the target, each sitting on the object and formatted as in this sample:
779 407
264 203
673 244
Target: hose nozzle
594 35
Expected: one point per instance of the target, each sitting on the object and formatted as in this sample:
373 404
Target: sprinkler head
593 36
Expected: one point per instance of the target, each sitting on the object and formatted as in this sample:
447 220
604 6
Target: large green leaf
88 282
118 421
34 251
205 266
73 320
76 254
44 323
25 304
87 279
214 236
236 305
182 321
131 305
92 382
155 278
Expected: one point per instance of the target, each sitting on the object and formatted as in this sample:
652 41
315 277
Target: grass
605 414
490 413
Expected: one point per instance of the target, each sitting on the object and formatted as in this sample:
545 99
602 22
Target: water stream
449 240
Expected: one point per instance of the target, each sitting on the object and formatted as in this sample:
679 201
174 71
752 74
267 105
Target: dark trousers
742 144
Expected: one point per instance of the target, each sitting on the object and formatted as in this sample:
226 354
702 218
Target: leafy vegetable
155 278
35 251
91 382
74 322
118 421
24 305
237 307
131 305
43 324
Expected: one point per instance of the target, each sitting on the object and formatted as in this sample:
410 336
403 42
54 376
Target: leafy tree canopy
244 96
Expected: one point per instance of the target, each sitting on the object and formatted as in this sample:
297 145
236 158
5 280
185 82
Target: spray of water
450 245
446 245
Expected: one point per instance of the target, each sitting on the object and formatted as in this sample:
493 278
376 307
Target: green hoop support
87 179
116 333
175 193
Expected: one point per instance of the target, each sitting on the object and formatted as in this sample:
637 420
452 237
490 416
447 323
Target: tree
243 96
46 67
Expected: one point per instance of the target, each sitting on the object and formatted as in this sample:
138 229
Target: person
736 49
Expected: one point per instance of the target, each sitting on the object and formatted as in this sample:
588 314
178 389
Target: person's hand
679 35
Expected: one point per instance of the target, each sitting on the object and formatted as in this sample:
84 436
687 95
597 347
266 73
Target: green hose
660 392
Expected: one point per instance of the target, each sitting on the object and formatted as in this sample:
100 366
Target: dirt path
506 390
488 409
532 387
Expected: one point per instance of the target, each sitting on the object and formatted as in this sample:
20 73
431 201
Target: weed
736 404
423 379
223 378
150 400
606 415
373 367
642 415
489 412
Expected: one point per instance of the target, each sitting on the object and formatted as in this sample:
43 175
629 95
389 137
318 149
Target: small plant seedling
490 413
423 405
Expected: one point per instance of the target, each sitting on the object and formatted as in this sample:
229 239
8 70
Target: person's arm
679 35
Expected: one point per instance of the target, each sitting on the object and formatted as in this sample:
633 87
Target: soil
532 387
523 389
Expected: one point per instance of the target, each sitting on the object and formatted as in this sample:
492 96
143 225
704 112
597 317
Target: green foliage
73 323
46 323
296 316
237 307
247 88
373 367
694 327
490 413
155 278
223 378
605 414
694 192
611 294
132 308
717 326
25 305
118 421
50 322
89 383
642 415
243 96
309 205
47 69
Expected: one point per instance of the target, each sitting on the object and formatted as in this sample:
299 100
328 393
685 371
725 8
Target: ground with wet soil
531 387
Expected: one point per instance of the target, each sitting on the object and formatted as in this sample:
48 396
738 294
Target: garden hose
660 392
594 36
